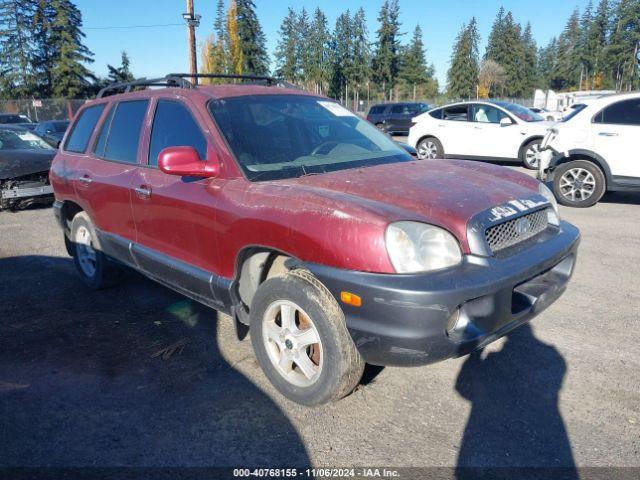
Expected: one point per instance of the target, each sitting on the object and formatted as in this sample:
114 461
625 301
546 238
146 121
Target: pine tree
234 46
122 73
584 54
43 47
596 43
624 45
414 65
319 39
303 47
218 61
252 39
566 74
386 57
341 57
496 41
529 63
16 47
463 73
69 75
547 58
361 54
286 50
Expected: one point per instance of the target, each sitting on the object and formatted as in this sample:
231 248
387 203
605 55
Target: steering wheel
319 149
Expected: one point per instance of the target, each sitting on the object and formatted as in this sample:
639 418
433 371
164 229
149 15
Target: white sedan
480 130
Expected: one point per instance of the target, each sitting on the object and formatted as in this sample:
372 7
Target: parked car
594 152
480 130
52 131
551 116
309 226
17 120
25 160
395 118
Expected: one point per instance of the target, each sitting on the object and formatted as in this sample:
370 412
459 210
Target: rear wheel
301 342
530 155
95 269
380 126
429 148
578 184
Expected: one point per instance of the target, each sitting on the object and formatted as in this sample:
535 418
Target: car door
102 185
453 130
615 133
488 137
174 216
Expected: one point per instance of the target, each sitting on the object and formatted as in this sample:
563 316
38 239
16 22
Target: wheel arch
588 155
527 141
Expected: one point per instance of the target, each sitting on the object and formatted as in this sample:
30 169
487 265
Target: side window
124 131
376 110
81 131
104 131
626 112
486 114
397 109
174 126
436 113
456 113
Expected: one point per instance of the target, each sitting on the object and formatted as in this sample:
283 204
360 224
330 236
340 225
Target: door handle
85 180
143 191
441 125
608 134
477 128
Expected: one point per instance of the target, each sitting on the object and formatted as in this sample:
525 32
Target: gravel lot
81 385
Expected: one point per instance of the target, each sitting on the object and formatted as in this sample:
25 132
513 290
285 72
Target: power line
135 26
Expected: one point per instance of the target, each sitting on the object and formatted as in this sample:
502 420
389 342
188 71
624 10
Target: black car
395 118
25 160
52 131
18 120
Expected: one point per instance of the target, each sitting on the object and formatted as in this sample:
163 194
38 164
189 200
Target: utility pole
193 21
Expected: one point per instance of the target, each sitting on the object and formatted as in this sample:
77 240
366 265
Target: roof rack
180 80
168 81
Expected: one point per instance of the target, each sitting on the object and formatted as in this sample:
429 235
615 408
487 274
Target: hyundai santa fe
306 224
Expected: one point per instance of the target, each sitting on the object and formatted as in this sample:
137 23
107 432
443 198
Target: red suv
304 222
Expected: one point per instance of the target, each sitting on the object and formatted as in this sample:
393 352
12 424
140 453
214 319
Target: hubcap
577 184
85 252
427 150
292 343
532 155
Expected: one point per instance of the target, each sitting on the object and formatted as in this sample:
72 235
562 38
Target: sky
156 51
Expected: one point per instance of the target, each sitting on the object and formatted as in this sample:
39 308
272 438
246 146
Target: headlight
417 247
554 217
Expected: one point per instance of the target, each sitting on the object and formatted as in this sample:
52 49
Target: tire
333 365
531 148
95 269
381 127
429 148
572 182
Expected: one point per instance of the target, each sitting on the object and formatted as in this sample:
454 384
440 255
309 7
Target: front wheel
301 341
578 184
429 148
530 155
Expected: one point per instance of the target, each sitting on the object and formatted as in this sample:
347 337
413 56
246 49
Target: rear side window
436 113
123 133
376 110
102 138
174 126
456 113
626 112
82 129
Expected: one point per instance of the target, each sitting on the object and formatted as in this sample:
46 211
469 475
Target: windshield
575 109
521 112
14 119
286 136
21 140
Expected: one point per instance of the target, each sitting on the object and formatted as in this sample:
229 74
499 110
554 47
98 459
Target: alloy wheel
85 251
577 184
532 155
292 343
427 150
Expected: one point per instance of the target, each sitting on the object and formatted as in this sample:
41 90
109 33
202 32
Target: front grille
517 230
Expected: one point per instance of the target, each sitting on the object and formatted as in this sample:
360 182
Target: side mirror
186 162
505 122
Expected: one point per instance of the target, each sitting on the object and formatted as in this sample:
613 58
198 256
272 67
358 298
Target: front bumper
403 318
18 192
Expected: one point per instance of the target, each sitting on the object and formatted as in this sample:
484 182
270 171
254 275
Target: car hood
16 163
442 192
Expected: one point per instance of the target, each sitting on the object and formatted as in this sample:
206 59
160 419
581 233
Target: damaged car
25 160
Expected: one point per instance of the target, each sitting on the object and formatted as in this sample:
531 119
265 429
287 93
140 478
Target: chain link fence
42 110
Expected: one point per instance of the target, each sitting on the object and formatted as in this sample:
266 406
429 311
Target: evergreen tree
234 47
43 47
496 42
530 78
624 45
287 49
547 57
122 73
584 54
218 61
341 57
252 39
414 69
16 47
319 39
506 47
463 73
596 43
386 57
303 47
69 75
566 74
361 54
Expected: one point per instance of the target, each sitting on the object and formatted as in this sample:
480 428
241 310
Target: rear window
455 113
378 109
82 129
626 112
436 113
123 131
